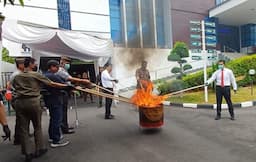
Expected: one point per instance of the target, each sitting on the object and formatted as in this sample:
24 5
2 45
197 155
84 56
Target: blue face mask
221 67
67 66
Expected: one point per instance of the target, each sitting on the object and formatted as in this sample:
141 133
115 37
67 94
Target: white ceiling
243 12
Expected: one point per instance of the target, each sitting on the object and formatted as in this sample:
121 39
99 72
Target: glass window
64 14
116 21
132 23
147 23
160 28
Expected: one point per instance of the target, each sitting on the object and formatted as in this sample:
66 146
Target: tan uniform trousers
29 110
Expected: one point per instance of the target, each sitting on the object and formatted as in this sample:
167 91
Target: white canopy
59 42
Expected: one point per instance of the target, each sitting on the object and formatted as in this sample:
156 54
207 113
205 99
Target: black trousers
224 92
64 125
108 102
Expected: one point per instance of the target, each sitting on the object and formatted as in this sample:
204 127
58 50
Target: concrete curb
209 106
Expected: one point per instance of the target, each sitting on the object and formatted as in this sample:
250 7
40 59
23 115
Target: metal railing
5 77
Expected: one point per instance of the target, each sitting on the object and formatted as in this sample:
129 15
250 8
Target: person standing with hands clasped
224 77
108 83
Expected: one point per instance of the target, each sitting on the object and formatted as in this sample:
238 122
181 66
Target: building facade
237 25
140 29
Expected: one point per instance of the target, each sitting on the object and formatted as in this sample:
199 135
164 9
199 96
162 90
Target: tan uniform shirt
28 84
142 74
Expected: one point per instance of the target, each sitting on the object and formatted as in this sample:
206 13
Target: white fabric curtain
59 42
15 32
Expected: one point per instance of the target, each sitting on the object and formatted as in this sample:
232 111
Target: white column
125 23
140 24
205 60
154 23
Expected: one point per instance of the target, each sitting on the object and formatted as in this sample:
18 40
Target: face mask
220 67
67 66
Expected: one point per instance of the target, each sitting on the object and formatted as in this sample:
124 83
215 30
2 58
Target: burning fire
144 96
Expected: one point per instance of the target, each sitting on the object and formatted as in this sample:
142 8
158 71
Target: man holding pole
224 78
20 68
63 74
54 103
108 84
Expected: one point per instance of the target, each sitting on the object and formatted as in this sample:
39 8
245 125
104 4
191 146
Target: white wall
48 17
90 6
92 16
7 67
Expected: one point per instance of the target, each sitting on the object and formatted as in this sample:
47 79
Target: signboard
196 43
196 50
195 36
196 39
211 51
196 57
210 24
213 44
197 23
196 30
211 38
210 31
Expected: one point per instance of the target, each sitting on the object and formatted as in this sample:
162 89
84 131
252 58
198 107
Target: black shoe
217 118
112 116
7 133
29 157
15 142
71 128
68 131
109 117
232 118
40 153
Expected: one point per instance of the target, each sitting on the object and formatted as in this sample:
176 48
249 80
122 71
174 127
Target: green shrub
240 67
172 86
197 78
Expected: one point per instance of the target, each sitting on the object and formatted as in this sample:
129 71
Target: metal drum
151 117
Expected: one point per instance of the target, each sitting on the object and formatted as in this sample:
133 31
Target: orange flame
144 96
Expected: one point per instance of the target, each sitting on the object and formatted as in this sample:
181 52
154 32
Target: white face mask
221 67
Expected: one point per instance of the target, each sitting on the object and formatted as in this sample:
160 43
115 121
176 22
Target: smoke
133 57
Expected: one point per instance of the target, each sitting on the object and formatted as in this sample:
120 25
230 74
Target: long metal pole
205 60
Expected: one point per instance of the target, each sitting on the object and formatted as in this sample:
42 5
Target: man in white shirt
108 83
224 77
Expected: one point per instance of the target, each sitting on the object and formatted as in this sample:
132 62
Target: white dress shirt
229 78
106 79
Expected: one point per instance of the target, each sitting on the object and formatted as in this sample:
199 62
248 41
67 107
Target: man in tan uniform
142 74
27 87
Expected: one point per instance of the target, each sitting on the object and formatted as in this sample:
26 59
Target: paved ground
189 135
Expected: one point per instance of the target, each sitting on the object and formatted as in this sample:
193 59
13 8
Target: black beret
52 63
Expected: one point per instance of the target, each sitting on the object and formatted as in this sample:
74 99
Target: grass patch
243 94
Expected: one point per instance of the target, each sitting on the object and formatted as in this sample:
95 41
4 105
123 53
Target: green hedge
240 67
171 86
197 78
